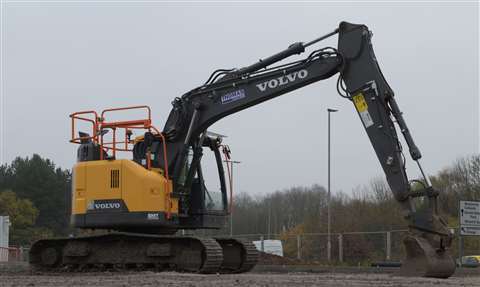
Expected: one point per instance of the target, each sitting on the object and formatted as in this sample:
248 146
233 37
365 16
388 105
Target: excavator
141 202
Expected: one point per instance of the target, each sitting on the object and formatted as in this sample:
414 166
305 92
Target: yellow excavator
143 200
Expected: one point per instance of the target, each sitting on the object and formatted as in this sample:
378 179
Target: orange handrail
100 123
145 123
123 124
94 126
128 108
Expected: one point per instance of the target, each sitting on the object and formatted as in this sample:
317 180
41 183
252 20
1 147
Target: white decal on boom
283 80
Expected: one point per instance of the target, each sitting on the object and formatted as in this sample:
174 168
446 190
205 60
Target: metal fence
19 254
13 254
347 247
4 254
354 248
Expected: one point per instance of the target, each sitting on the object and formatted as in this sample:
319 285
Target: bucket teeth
425 260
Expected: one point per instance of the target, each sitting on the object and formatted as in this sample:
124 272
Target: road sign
470 213
469 230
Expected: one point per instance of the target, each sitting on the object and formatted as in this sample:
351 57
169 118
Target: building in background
4 231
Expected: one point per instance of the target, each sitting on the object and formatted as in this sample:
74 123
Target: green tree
22 215
46 186
21 211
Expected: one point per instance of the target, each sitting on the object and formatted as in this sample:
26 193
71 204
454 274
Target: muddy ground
351 277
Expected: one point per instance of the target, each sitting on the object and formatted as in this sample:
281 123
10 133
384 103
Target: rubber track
212 256
251 256
250 252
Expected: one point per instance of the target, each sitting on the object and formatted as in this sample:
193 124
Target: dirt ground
324 277
249 279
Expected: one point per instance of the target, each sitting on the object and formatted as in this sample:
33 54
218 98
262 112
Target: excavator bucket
425 260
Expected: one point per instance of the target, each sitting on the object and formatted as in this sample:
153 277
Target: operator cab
90 150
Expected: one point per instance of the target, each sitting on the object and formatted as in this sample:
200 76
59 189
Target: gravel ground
249 279
348 277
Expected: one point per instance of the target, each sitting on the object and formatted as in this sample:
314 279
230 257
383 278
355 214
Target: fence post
460 248
299 247
340 247
389 245
262 246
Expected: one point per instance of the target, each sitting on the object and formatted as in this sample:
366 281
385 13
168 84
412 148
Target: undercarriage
123 251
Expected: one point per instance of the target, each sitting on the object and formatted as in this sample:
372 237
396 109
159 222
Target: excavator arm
429 237
360 81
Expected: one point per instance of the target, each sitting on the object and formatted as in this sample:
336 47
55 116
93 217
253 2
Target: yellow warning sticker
362 108
360 103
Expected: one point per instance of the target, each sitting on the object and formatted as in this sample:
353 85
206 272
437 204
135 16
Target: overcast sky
62 58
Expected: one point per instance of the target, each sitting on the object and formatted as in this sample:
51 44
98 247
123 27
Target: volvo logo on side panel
106 205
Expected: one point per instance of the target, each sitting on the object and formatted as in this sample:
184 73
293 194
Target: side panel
144 190
102 179
122 195
79 189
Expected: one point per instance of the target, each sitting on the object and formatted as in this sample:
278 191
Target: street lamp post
329 240
231 162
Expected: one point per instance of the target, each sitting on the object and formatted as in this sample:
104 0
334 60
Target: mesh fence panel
355 248
397 247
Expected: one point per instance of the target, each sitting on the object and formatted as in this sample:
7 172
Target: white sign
470 213
469 230
4 230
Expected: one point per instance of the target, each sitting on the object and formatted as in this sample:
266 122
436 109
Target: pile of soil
270 259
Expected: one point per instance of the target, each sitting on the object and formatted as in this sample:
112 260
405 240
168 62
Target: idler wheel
50 256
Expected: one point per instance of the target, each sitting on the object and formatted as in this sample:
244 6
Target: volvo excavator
142 201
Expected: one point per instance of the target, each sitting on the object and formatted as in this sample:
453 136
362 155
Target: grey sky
61 58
